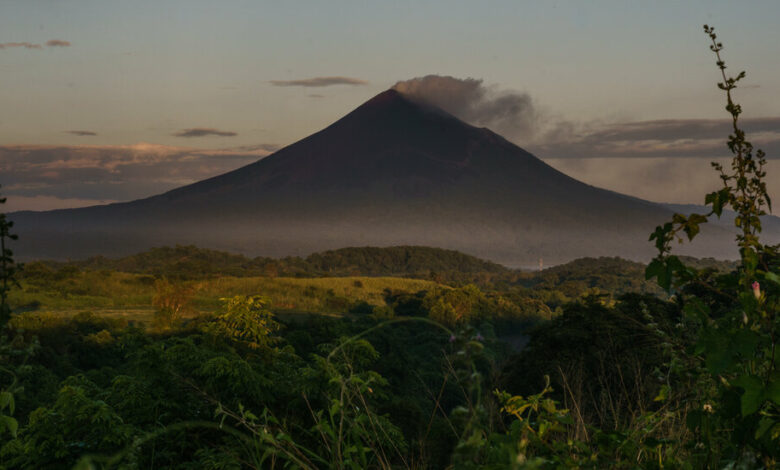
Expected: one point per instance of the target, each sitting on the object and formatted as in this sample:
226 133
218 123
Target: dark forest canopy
188 262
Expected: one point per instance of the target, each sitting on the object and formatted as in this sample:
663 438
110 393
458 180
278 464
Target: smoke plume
508 113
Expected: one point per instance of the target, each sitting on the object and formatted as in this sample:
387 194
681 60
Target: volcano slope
394 171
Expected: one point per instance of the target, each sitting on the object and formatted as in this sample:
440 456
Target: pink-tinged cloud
40 177
203 132
25 45
46 203
320 82
57 43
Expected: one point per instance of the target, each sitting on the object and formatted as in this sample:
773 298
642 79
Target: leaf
772 391
696 309
749 259
663 393
9 423
763 426
661 270
335 407
753 395
772 277
693 420
691 226
745 342
653 269
7 401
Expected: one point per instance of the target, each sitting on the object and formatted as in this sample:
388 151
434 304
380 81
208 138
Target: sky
105 101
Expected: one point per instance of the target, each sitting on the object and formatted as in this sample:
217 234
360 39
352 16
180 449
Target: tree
247 321
171 300
8 268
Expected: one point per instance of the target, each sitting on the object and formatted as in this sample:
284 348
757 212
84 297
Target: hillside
191 262
392 172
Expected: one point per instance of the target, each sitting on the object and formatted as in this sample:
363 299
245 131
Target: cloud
26 45
264 147
660 179
514 116
82 133
30 45
315 95
57 43
45 203
40 177
319 82
678 138
509 113
203 132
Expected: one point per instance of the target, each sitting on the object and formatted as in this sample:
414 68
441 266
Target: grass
129 296
322 295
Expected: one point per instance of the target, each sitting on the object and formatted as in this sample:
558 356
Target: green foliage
737 420
246 320
458 306
399 374
8 268
605 361
192 263
406 261
77 423
172 301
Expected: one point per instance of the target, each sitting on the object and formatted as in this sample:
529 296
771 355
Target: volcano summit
394 171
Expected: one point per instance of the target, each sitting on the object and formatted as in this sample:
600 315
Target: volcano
395 171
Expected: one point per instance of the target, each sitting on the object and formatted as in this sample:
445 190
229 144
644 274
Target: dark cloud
677 138
57 43
319 82
264 147
82 133
203 132
26 45
45 177
509 113
676 129
660 179
315 95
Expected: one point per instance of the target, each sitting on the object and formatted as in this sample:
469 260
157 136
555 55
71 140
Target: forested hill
190 262
373 261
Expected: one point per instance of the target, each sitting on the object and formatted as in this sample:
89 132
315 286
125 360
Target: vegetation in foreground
687 380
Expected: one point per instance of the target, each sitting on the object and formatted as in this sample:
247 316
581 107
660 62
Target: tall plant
8 270
8 267
737 417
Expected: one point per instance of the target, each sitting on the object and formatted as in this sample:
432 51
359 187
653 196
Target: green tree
8 268
246 320
172 301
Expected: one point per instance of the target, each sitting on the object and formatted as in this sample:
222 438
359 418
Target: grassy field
129 296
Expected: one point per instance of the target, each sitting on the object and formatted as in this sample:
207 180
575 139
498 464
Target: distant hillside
372 261
607 275
190 262
770 224
393 172
614 275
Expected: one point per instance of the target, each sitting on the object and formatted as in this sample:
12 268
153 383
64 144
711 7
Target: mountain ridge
393 171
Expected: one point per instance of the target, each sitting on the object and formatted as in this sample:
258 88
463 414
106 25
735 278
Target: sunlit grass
129 296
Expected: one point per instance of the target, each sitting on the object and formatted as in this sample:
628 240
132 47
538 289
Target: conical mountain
394 171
